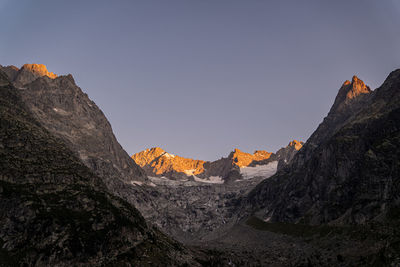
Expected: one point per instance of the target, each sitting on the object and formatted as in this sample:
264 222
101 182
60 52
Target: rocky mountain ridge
348 170
62 108
56 212
158 163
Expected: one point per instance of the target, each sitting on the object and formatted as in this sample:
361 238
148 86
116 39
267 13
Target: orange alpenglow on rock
39 69
296 144
348 92
243 159
158 161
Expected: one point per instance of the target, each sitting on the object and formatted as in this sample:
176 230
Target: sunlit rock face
348 92
158 163
39 69
296 144
243 159
27 74
352 97
348 171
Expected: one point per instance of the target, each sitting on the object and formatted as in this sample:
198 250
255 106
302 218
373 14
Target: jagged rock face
54 210
28 73
348 92
242 159
63 109
349 169
351 99
159 163
229 168
284 155
10 71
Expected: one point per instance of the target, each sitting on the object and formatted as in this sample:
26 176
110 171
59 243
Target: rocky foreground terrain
69 190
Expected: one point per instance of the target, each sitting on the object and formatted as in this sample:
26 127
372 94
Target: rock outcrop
348 171
63 109
56 212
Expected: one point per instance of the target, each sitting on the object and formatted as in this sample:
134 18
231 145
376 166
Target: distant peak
156 150
39 69
356 87
296 144
348 91
243 159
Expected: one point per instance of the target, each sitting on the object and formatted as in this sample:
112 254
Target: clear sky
199 78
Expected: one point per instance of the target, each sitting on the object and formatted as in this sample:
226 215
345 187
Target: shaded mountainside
157 162
63 109
349 169
54 210
337 203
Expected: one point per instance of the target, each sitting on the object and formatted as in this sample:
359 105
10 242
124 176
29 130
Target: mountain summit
68 113
348 170
27 74
158 163
348 92
39 69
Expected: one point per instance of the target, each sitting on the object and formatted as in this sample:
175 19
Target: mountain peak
243 159
39 69
296 144
156 149
348 91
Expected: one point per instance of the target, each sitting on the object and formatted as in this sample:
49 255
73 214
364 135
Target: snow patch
265 171
267 219
152 184
168 155
189 172
210 180
60 111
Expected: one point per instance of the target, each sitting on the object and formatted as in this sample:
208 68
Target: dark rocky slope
55 211
64 110
337 203
61 107
349 169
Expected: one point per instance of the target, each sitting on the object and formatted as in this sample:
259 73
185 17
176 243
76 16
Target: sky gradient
199 78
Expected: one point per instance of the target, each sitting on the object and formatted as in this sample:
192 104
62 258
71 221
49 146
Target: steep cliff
64 110
349 169
56 212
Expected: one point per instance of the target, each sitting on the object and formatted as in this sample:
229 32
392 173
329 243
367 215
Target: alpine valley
71 195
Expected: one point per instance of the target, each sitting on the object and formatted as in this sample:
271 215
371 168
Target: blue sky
199 78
